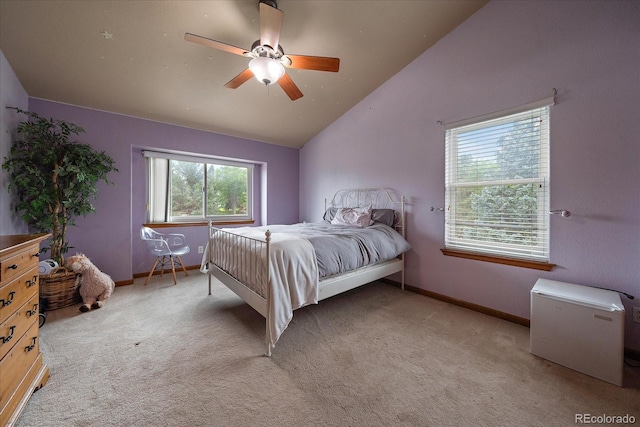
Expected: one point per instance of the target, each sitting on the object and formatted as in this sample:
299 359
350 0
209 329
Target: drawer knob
32 346
32 311
32 282
13 266
7 339
9 301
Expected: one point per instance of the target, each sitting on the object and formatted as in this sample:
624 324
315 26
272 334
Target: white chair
167 248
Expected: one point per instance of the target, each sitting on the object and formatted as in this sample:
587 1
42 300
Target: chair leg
182 265
163 263
151 272
173 270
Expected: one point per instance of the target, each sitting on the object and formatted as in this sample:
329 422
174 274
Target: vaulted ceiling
131 58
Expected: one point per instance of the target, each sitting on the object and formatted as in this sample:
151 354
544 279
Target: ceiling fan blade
319 63
289 87
270 26
235 82
214 44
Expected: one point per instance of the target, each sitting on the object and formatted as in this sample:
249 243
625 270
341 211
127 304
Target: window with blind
182 188
497 184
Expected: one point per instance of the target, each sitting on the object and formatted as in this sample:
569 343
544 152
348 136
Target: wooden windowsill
197 224
545 266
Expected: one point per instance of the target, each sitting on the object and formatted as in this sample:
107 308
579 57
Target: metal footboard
243 258
242 264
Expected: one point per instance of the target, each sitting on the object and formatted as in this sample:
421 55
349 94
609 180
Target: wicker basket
60 288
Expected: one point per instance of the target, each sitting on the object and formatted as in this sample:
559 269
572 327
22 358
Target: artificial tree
53 178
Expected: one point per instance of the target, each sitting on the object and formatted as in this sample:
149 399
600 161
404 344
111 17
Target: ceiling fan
268 60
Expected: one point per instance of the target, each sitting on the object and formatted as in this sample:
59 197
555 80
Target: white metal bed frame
251 281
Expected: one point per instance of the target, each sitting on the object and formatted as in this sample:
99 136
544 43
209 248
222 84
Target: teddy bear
95 286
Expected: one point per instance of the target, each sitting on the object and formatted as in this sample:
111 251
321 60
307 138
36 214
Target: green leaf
42 145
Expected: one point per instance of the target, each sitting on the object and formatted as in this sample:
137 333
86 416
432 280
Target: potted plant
53 178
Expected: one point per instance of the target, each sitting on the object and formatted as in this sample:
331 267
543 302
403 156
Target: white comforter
295 288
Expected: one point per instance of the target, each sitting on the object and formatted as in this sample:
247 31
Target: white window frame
454 239
159 188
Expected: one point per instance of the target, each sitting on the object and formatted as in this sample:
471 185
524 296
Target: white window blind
497 183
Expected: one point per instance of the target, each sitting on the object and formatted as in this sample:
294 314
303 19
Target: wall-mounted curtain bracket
562 212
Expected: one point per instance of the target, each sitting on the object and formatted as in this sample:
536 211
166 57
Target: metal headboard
377 198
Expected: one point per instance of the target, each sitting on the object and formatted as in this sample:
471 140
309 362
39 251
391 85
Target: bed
277 269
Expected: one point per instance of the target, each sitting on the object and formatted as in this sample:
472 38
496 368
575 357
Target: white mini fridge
579 327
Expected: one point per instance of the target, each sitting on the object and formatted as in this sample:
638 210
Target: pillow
329 214
384 216
360 217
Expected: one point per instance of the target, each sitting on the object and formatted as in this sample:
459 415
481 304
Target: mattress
341 248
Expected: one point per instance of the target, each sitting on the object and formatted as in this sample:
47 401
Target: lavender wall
12 94
505 55
110 236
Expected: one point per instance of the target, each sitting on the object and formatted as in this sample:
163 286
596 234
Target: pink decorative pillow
360 217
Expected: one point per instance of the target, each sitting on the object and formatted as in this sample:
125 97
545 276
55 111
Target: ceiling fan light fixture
266 70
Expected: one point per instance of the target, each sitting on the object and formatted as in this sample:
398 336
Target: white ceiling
59 51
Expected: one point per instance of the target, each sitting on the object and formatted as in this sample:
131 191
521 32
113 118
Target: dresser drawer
16 293
17 362
17 324
14 266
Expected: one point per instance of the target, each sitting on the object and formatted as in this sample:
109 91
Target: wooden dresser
22 370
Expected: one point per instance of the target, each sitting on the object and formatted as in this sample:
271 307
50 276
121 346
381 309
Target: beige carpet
167 355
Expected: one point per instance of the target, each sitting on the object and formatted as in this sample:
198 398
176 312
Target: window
497 184
188 188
